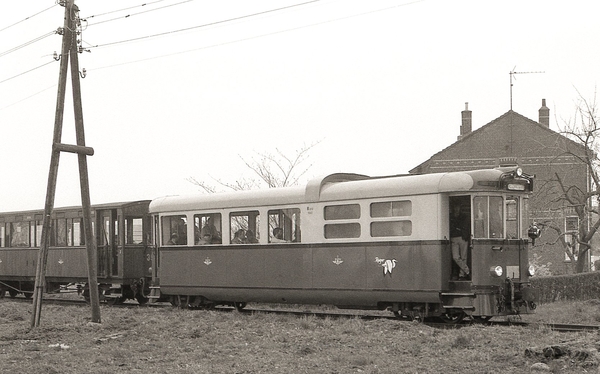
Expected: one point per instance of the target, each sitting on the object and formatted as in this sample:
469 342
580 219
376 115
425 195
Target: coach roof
334 187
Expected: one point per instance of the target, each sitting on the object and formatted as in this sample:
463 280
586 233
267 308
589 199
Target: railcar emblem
207 261
388 265
60 261
337 260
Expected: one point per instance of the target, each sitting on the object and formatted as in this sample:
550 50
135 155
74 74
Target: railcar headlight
531 270
518 172
496 271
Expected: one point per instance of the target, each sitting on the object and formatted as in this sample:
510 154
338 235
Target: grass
169 340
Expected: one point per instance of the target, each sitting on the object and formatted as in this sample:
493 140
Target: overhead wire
203 25
14 49
28 71
134 14
257 36
27 18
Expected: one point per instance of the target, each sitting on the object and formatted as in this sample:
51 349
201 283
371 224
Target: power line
256 36
23 20
134 14
28 71
120 10
28 43
203 25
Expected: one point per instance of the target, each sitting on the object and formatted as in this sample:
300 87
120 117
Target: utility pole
69 51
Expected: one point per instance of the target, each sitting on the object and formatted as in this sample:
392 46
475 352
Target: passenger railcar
351 241
124 253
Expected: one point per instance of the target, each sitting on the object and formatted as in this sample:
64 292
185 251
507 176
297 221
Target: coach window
19 234
243 227
207 229
2 236
74 232
133 230
339 230
174 230
285 222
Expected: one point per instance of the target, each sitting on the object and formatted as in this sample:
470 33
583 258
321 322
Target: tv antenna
513 72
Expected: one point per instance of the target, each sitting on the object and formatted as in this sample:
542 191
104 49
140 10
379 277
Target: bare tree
581 199
270 169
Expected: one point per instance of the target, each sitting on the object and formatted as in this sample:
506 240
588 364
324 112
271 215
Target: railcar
123 251
352 241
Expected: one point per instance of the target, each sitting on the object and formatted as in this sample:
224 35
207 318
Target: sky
179 89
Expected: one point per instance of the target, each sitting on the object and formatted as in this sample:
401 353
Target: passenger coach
351 241
124 257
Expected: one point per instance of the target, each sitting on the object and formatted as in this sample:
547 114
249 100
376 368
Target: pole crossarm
79 149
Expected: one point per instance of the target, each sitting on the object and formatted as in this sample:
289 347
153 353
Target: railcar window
391 228
284 225
2 236
74 232
496 217
525 223
174 230
488 216
391 209
342 230
207 228
19 234
512 217
348 211
244 227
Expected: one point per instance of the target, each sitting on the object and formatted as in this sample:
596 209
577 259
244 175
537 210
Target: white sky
380 84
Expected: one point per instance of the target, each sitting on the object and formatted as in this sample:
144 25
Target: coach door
108 255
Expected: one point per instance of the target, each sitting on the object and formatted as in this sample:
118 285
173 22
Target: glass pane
496 217
78 232
244 227
480 214
391 209
512 217
2 236
207 228
350 211
174 230
133 228
342 230
392 228
19 234
284 225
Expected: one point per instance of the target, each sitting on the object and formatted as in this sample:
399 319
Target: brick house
513 139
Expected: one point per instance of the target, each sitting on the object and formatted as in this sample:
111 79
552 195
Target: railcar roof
123 204
334 187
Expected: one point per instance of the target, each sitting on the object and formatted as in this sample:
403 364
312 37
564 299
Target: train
343 239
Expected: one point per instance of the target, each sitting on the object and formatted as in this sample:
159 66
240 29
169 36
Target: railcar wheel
12 293
28 295
453 316
239 305
2 293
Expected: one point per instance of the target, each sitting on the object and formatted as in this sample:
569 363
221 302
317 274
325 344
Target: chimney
544 114
466 126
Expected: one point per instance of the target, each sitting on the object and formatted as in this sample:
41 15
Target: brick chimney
544 114
467 123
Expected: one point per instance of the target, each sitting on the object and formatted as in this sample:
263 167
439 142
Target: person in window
250 237
277 235
460 233
239 237
209 234
174 239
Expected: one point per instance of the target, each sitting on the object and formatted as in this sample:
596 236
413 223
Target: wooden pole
40 278
69 51
90 242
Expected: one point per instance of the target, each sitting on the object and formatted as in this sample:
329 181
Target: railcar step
458 307
468 294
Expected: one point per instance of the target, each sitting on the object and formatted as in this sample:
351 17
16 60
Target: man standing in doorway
460 233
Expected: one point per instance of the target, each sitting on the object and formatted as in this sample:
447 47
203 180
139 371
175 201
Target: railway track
561 327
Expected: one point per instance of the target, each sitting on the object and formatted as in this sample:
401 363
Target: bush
583 286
